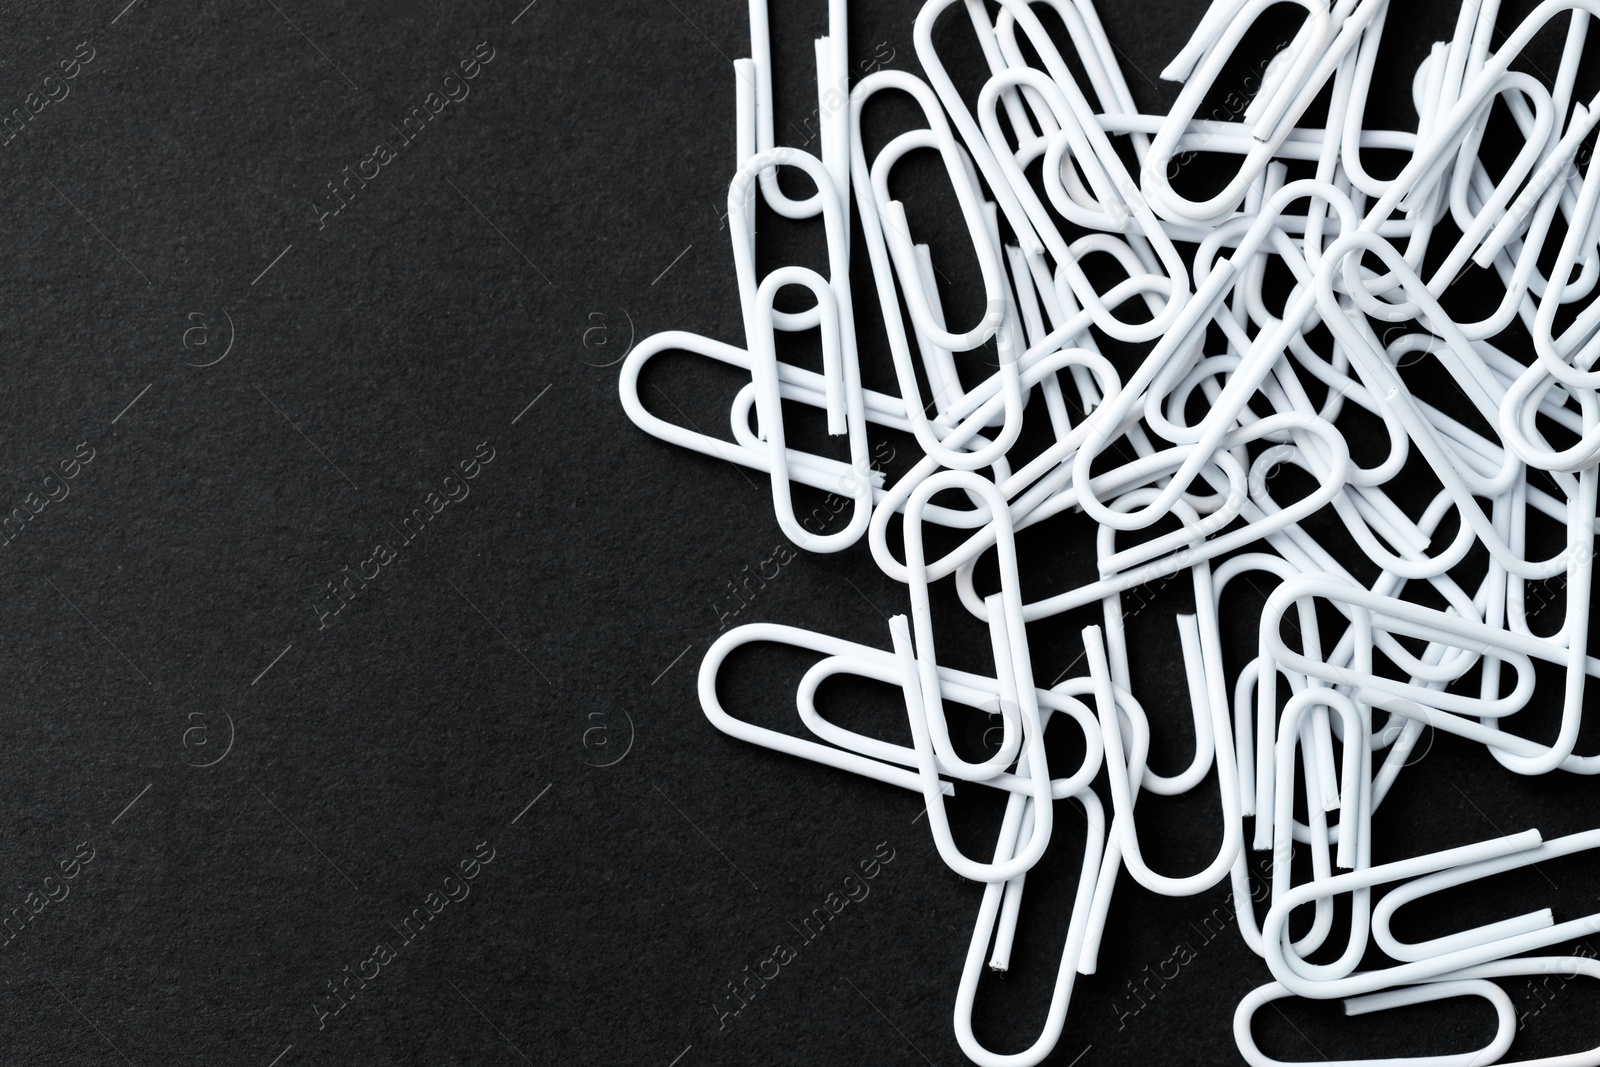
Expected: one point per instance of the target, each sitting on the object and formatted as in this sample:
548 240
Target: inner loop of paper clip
1411 891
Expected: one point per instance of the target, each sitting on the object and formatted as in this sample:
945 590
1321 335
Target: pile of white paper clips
1231 388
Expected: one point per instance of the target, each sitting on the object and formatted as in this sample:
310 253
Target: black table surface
352 630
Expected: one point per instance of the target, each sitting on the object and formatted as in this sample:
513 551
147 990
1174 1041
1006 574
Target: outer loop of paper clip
872 190
818 472
1566 967
793 636
1437 148
1198 665
983 933
1198 68
1111 182
1491 219
1475 378
891 254
1123 771
1527 398
1105 423
897 233
1011 658
1356 677
1427 86
1499 1000
1518 754
1478 860
1274 927
847 415
821 473
1006 195
1001 869
1567 358
1197 547
954 686
1483 225
1355 810
1383 381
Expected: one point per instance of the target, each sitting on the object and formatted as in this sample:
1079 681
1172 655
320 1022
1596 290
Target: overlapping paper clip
1294 320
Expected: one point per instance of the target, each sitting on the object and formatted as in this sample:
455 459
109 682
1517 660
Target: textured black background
161 616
